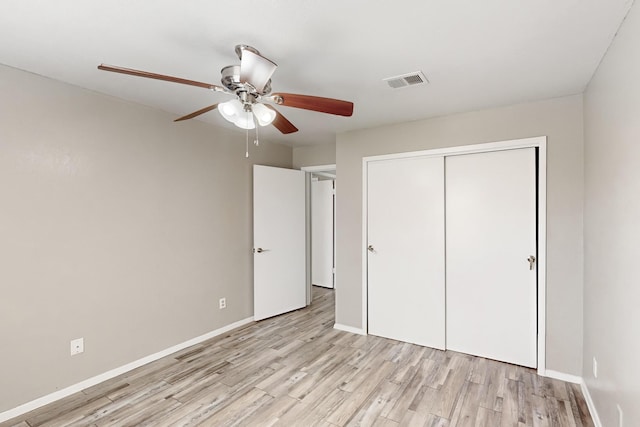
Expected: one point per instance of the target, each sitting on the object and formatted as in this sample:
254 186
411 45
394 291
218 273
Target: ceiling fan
250 84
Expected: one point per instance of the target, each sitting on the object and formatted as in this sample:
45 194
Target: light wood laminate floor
296 370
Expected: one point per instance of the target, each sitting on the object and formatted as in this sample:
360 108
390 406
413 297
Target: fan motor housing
231 77
231 80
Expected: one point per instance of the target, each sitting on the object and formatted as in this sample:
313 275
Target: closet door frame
540 143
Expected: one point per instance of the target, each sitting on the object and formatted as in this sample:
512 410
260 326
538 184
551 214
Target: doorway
321 189
322 230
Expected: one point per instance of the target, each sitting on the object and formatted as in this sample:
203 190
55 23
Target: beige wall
117 225
314 155
612 228
559 119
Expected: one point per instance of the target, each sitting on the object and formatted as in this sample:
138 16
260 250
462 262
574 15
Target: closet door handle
532 260
370 249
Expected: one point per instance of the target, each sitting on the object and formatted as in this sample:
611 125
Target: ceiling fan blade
149 75
281 123
314 103
197 113
256 69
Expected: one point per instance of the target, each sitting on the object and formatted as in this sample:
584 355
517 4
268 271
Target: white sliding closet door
491 233
406 250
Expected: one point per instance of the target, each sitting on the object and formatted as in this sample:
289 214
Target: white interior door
322 233
491 233
279 276
406 258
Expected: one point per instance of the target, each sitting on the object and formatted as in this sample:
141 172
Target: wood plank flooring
296 370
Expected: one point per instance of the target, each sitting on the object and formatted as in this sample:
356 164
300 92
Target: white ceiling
476 53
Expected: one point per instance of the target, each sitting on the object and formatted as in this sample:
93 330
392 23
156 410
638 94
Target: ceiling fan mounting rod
241 47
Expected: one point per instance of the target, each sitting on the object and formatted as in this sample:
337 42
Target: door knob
370 249
258 250
532 260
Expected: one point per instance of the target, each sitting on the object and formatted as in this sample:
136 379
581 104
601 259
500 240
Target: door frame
539 142
309 170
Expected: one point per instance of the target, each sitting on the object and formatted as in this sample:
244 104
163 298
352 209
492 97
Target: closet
451 250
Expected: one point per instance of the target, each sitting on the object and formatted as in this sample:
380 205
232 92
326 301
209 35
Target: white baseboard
60 394
574 379
592 407
351 329
585 391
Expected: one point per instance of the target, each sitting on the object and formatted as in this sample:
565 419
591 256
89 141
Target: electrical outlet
595 368
77 346
620 417
223 303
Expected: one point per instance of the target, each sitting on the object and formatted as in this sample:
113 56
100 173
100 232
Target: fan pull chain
246 146
256 142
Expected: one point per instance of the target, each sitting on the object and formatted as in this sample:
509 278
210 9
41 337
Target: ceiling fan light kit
235 112
264 115
250 84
